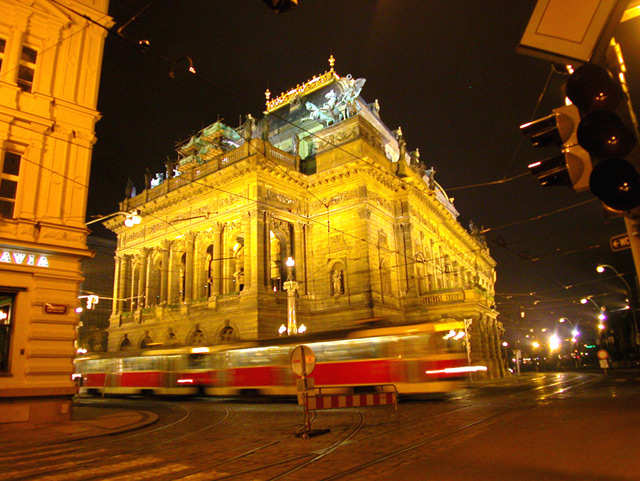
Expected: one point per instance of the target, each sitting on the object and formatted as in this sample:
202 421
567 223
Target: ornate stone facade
371 232
50 60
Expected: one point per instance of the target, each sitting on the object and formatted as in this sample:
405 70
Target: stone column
115 304
188 267
246 235
134 285
173 275
142 279
124 290
13 53
164 273
298 255
199 258
216 262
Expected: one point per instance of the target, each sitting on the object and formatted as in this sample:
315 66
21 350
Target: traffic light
572 167
281 6
605 134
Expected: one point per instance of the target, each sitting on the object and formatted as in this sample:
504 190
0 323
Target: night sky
446 71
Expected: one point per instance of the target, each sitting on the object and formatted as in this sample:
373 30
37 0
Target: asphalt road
573 426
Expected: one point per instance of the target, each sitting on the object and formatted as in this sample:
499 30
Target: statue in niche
276 261
238 253
337 282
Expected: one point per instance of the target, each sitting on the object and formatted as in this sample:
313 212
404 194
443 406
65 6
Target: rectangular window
6 321
3 44
9 175
27 68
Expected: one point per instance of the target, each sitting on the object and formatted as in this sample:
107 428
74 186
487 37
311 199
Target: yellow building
321 180
50 60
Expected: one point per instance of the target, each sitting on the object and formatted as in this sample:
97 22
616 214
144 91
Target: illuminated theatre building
321 180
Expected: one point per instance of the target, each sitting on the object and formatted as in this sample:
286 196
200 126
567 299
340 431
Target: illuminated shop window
6 320
9 183
27 68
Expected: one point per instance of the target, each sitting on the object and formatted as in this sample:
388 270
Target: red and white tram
417 358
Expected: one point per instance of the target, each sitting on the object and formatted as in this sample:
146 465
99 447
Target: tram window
138 364
347 350
197 361
255 357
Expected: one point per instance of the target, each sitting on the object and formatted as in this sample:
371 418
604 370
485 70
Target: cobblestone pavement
538 426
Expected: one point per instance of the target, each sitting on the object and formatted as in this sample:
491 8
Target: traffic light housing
572 167
605 133
281 6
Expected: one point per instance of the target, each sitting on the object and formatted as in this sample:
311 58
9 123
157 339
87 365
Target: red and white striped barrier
313 399
337 401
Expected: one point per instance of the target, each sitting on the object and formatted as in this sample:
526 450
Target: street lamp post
574 333
291 286
636 335
601 315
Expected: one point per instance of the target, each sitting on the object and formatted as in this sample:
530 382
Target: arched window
209 267
146 341
155 270
171 338
198 338
125 344
227 333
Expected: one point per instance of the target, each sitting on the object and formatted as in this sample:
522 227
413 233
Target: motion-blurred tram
416 358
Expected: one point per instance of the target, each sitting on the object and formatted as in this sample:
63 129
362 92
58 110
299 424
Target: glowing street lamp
554 342
601 268
602 316
291 287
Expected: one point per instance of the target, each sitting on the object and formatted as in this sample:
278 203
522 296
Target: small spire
267 95
332 61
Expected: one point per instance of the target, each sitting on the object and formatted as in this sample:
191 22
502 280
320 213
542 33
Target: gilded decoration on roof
306 88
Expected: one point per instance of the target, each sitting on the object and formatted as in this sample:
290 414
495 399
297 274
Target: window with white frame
27 68
9 172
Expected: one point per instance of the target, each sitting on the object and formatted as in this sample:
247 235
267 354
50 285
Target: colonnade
223 259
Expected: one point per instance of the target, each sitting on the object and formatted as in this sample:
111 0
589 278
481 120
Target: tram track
248 453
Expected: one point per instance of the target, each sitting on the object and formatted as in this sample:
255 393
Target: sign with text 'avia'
20 258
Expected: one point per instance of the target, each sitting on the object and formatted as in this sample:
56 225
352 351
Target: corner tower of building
319 179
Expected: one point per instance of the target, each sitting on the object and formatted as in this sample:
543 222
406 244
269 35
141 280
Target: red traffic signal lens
616 183
592 87
603 134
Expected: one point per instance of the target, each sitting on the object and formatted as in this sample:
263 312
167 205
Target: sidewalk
87 421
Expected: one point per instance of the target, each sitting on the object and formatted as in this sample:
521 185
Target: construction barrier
335 397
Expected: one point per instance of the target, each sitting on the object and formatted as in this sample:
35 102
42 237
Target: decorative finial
332 61
267 94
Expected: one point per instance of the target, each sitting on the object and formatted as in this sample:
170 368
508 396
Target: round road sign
602 354
303 360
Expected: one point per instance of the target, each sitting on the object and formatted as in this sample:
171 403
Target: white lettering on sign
24 259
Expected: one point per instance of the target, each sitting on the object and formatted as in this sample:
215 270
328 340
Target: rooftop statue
339 106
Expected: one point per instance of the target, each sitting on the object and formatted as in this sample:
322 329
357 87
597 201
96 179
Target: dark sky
446 71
